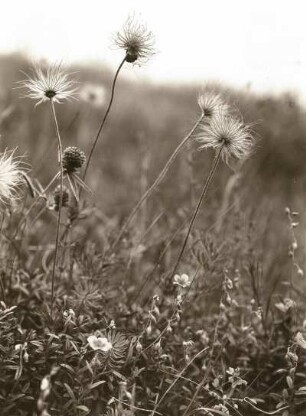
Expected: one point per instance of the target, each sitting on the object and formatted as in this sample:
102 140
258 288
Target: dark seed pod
73 159
131 56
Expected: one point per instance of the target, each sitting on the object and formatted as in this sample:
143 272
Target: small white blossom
300 340
99 343
181 280
285 305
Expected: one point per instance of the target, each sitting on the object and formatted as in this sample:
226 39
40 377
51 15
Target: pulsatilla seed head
136 40
73 159
57 196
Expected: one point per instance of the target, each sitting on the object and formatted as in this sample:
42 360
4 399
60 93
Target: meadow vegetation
106 317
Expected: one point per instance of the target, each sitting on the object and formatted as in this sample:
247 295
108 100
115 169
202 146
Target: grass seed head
136 40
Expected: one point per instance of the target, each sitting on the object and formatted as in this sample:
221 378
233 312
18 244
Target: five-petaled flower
99 343
181 280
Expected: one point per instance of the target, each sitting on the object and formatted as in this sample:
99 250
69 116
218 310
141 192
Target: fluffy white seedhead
93 94
212 105
232 135
136 40
11 177
51 84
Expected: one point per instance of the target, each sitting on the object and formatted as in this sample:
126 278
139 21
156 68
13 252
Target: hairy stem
60 162
194 215
155 183
104 118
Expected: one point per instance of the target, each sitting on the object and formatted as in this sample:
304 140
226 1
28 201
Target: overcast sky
239 42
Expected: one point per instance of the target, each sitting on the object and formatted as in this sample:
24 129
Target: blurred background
254 53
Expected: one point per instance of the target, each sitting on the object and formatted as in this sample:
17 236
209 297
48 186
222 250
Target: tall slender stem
104 118
60 162
194 215
156 182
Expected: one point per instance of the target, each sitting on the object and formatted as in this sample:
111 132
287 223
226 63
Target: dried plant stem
60 162
194 215
177 377
156 182
104 119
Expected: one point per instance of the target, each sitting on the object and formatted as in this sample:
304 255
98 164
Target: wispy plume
50 84
11 177
212 105
137 41
232 136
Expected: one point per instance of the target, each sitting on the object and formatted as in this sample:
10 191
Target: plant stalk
104 119
195 213
60 162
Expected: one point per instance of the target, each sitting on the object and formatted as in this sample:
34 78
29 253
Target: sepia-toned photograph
152 208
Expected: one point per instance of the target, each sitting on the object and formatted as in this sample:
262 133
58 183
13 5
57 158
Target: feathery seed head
231 134
51 84
93 94
212 104
11 177
73 159
136 40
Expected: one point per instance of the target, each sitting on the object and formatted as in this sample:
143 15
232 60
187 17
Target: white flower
52 84
181 280
285 305
11 177
300 340
99 343
45 383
